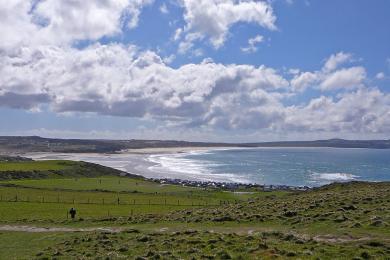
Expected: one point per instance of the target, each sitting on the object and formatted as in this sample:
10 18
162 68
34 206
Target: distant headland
23 144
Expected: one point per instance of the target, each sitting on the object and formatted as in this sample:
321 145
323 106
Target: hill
134 218
25 144
22 168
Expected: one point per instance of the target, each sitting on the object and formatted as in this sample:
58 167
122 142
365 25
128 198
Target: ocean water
278 166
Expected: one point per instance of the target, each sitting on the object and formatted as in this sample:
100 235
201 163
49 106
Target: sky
197 70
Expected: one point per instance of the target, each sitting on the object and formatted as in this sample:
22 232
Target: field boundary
116 202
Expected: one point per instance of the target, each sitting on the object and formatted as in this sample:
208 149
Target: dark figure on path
72 213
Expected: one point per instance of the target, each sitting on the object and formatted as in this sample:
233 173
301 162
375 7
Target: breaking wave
333 176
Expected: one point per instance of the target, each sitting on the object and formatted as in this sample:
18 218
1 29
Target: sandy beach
167 150
148 162
134 161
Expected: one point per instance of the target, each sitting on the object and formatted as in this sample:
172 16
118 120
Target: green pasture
50 199
16 212
116 184
36 165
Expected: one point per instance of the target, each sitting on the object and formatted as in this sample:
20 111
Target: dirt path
33 229
319 238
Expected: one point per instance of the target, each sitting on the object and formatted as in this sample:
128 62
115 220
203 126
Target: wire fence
114 201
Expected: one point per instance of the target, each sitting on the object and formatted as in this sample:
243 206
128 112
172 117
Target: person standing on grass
72 213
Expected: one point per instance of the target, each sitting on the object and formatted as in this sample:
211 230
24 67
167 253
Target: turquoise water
278 166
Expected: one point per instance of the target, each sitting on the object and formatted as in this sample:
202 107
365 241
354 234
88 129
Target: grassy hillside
154 221
36 165
10 170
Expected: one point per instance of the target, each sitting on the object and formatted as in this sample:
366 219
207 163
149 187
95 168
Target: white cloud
164 9
213 18
39 68
362 111
344 79
294 71
62 22
252 42
118 80
169 59
335 60
304 80
380 75
331 76
188 42
133 10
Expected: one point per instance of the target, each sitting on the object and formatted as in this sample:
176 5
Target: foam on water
333 176
181 167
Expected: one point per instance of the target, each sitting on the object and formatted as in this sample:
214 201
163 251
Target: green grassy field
103 183
49 199
36 165
154 221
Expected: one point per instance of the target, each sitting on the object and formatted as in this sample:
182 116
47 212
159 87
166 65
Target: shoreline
139 165
230 186
174 150
171 165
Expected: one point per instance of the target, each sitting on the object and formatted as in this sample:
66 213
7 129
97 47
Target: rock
192 250
290 214
131 230
143 239
350 207
223 255
291 254
224 218
365 255
375 244
356 225
190 231
377 223
123 249
341 218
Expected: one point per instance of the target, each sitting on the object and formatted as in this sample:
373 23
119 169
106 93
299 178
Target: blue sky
216 70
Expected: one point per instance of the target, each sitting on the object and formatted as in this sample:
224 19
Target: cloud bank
40 68
119 80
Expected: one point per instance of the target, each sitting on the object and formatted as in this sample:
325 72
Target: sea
268 166
277 166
